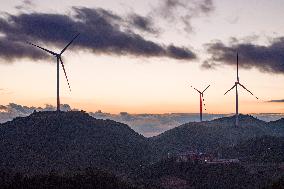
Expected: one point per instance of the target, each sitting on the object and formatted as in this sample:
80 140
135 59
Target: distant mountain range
146 124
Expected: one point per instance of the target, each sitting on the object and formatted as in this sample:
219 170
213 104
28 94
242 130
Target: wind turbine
201 99
58 59
237 96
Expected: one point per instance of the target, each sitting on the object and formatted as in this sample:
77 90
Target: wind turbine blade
230 89
53 53
205 89
65 73
195 89
248 90
69 43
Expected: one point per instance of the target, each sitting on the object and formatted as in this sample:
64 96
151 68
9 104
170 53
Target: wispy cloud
25 5
183 11
5 92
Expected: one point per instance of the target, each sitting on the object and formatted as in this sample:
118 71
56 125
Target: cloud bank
145 124
268 58
12 110
101 31
20 110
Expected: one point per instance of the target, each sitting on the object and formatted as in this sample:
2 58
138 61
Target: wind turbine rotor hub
59 60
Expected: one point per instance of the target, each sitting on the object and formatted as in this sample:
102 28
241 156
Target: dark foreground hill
211 135
52 141
46 141
262 149
276 184
67 142
181 175
277 126
90 178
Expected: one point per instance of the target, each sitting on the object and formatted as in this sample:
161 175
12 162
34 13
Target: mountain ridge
68 140
46 141
208 136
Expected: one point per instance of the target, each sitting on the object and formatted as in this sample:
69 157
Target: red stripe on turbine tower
201 99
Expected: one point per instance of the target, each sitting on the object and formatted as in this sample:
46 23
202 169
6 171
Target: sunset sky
142 56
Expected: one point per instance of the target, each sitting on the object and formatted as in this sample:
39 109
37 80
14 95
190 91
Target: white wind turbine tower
58 59
201 99
237 98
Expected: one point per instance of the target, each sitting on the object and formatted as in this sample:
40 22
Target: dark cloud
10 50
184 11
282 100
206 6
180 53
269 58
143 23
100 33
27 2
